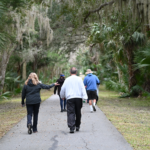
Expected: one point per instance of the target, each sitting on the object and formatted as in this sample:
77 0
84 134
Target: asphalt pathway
96 132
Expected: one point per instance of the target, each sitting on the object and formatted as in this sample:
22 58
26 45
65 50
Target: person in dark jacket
58 88
31 91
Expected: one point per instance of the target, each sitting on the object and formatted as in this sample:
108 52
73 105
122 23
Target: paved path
96 133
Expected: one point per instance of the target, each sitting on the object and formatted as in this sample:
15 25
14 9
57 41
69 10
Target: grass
131 116
11 111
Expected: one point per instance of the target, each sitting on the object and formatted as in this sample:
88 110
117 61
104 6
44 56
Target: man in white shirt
74 91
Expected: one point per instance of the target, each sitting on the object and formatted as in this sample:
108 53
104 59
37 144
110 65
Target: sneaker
71 131
77 128
94 108
29 129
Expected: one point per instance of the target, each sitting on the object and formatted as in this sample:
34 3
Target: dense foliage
32 33
118 41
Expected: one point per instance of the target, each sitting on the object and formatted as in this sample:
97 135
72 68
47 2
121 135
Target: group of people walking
71 91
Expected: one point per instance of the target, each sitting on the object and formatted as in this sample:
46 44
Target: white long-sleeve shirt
73 87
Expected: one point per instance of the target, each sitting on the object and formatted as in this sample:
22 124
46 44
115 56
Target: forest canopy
41 36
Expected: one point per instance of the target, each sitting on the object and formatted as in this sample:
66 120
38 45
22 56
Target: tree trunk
24 76
19 69
35 63
132 79
120 76
5 59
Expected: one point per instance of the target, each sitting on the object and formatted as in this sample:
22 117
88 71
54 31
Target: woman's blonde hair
34 78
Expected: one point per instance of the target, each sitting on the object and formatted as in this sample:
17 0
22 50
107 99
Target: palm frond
142 58
138 37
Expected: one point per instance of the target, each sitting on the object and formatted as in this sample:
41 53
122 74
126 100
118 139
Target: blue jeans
61 104
87 100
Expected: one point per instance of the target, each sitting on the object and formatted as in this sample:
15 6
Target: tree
8 44
20 24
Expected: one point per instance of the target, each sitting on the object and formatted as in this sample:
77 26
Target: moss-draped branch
98 9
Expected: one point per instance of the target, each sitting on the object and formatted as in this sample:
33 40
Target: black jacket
60 81
32 92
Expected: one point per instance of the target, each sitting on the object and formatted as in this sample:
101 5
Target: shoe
94 108
71 131
35 131
61 111
77 128
65 110
29 129
91 111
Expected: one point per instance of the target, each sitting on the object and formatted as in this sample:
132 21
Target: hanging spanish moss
28 26
140 9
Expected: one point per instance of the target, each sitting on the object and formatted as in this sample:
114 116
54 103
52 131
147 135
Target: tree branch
96 10
91 46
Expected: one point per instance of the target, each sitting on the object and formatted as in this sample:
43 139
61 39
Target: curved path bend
96 132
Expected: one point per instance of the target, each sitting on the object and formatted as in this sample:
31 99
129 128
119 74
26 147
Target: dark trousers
33 109
62 104
74 106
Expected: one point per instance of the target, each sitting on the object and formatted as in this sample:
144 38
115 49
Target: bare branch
91 46
98 9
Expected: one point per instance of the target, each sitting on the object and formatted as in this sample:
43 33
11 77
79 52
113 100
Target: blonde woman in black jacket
31 91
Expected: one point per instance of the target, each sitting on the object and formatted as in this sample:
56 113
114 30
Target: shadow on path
54 146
